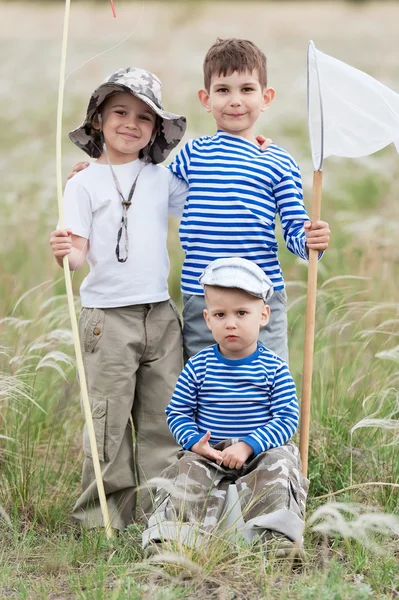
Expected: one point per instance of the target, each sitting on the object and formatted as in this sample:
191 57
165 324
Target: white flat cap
238 273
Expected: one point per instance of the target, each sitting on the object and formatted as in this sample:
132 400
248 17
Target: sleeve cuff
306 254
192 440
257 448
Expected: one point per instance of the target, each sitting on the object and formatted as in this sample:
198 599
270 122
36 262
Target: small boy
116 214
233 411
236 191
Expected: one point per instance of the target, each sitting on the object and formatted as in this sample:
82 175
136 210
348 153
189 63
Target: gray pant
197 336
132 357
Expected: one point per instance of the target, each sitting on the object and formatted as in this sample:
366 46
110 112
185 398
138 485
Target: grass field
352 540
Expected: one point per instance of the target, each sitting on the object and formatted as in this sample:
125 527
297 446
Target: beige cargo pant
132 357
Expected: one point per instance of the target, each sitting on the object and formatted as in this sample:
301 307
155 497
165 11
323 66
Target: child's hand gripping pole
68 284
309 330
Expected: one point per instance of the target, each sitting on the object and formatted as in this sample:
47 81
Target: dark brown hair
226 56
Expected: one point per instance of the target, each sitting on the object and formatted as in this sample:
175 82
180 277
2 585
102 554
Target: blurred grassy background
357 352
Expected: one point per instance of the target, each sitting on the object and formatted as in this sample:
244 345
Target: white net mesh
350 113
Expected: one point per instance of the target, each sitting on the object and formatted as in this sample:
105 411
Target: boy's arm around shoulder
284 411
182 408
180 164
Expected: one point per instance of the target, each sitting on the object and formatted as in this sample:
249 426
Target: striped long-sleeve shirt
251 399
235 193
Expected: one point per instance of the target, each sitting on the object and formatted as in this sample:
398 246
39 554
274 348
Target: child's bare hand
78 167
61 242
235 456
205 449
317 235
263 142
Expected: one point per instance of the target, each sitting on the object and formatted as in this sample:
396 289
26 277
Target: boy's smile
234 317
127 124
236 101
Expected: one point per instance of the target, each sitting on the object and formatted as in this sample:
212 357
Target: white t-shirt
93 210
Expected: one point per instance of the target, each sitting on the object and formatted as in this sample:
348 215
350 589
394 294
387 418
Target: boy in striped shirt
234 411
236 190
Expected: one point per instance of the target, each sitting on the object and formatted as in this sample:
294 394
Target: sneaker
282 547
153 548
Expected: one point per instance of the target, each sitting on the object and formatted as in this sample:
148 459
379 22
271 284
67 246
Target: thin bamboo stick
309 331
68 284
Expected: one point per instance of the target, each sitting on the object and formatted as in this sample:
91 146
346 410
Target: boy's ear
264 319
206 317
204 98
95 122
268 97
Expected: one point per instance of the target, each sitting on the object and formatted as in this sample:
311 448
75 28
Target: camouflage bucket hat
146 87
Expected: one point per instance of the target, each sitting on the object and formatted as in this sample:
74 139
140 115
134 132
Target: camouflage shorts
196 494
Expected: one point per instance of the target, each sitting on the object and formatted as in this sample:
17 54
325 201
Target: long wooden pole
68 284
309 331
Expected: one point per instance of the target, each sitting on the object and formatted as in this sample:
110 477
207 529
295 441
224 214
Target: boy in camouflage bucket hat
233 411
147 87
130 330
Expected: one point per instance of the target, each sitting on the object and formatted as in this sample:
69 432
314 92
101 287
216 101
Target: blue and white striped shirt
235 193
252 399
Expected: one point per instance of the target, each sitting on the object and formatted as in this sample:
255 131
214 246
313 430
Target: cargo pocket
98 406
92 328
